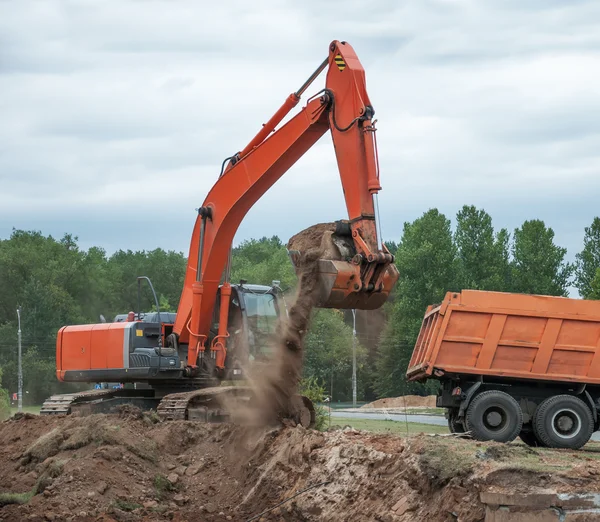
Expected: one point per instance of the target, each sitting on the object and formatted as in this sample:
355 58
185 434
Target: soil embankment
128 467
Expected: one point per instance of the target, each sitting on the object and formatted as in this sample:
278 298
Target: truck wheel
494 415
563 421
530 438
454 425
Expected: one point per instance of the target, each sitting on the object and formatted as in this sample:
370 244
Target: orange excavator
177 366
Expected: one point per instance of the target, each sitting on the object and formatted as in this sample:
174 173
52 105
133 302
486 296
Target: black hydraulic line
200 248
312 78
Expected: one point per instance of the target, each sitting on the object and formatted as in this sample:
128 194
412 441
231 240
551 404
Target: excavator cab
253 316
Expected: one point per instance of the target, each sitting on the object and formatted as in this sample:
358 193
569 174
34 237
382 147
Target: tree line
57 283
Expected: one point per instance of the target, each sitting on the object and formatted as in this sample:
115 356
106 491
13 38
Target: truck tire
454 425
530 438
494 415
563 421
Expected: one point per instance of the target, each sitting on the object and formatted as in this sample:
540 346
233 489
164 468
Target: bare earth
408 401
128 468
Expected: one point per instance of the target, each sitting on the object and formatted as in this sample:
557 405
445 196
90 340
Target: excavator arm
344 108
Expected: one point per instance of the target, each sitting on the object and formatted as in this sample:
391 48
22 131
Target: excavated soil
311 237
128 468
407 401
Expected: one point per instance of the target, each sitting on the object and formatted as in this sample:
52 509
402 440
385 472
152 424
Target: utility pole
353 358
20 376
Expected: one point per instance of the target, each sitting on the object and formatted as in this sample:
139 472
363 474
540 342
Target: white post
20 373
354 358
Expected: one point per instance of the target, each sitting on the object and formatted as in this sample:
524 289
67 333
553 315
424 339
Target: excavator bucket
344 279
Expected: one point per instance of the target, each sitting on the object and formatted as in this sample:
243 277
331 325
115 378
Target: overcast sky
115 115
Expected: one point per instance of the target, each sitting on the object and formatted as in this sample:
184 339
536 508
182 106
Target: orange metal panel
468 324
534 337
523 329
578 332
59 373
544 354
569 362
494 332
92 347
458 353
513 359
99 345
76 348
115 351
435 343
594 371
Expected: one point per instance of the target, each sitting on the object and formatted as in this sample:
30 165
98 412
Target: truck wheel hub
493 418
566 423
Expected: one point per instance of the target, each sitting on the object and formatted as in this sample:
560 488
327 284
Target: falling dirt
278 384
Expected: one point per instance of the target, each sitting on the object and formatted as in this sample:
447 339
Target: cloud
116 115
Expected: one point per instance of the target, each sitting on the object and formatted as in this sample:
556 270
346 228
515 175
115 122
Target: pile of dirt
129 468
407 401
315 237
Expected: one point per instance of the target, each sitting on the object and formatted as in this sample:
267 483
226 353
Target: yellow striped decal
339 61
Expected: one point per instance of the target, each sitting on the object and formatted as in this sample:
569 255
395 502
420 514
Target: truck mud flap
467 400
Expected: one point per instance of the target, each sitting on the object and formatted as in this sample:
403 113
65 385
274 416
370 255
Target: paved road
424 419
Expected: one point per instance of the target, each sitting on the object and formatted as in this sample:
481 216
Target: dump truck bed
509 336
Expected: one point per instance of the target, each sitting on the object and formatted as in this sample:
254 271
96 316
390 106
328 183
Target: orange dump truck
514 365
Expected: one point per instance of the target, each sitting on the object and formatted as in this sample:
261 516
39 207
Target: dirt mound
311 238
408 401
126 468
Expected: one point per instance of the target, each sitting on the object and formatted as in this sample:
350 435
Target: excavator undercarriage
217 404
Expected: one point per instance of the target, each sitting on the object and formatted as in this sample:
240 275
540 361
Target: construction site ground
129 467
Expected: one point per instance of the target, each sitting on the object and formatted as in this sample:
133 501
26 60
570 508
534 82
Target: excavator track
97 401
216 404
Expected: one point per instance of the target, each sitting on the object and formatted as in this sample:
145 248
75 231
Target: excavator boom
192 354
343 108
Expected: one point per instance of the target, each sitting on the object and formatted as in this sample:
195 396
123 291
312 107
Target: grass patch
26 409
125 505
162 485
445 458
91 431
53 469
388 426
15 498
425 411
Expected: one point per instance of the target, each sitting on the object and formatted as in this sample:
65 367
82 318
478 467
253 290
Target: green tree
588 261
483 259
392 246
538 265
427 262
166 270
262 261
328 350
594 292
